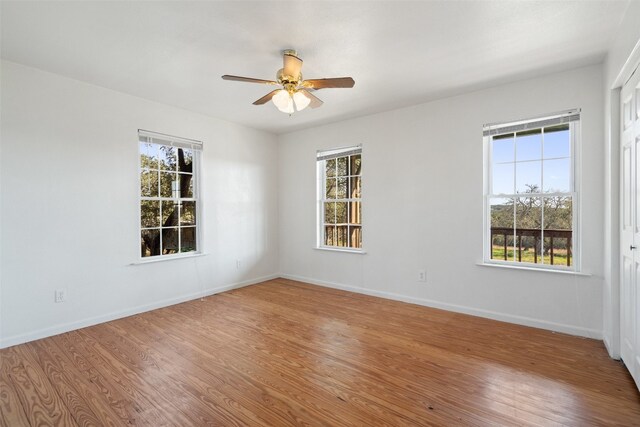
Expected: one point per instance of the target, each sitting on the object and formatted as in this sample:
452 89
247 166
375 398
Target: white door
630 225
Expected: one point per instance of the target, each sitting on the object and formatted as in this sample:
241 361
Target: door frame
612 250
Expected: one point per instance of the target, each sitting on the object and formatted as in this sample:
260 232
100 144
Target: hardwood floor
286 353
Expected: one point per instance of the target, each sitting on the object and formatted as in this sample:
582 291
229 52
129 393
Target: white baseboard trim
503 317
613 353
66 327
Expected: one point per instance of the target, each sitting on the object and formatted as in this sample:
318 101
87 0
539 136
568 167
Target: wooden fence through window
537 235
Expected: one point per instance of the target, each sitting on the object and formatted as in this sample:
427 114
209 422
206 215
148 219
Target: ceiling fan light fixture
281 99
289 109
301 100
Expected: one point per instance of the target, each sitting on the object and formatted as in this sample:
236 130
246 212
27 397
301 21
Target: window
339 198
531 192
169 202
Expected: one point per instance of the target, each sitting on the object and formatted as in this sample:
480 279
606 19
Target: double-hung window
169 195
339 198
531 192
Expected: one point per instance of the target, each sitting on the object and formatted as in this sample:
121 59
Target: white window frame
145 136
565 117
321 196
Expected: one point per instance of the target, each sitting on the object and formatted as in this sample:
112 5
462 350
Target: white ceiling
399 53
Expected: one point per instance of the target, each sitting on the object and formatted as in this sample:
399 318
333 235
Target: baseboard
66 327
613 353
519 320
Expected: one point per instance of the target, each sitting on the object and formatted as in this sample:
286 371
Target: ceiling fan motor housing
288 81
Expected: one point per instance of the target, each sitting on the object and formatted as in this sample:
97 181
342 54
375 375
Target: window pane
529 145
149 213
185 160
341 212
558 220
502 246
167 186
557 247
502 179
169 241
502 211
150 243
188 239
169 213
355 187
341 192
557 176
331 185
528 247
167 158
342 236
188 213
557 142
149 183
149 155
342 163
355 213
330 167
355 236
528 213
558 213
330 212
186 185
502 149
528 229
355 165
330 235
528 177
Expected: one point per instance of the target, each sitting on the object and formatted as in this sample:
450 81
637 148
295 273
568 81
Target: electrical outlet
237 264
422 276
61 295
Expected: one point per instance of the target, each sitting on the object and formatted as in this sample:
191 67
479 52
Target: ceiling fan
295 91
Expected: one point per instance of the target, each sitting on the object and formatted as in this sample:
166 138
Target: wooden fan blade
345 82
266 98
315 101
248 80
292 66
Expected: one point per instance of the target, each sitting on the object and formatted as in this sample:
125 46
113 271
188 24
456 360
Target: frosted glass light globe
301 101
283 101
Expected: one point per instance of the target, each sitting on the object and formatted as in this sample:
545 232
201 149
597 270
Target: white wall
620 54
70 205
423 204
69 155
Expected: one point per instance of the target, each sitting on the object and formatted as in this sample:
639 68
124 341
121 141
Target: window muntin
340 202
531 193
169 201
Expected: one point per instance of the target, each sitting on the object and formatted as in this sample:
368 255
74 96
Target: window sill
350 251
151 260
544 270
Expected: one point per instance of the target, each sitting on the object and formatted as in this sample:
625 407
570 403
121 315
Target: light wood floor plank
38 396
286 353
78 392
11 411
